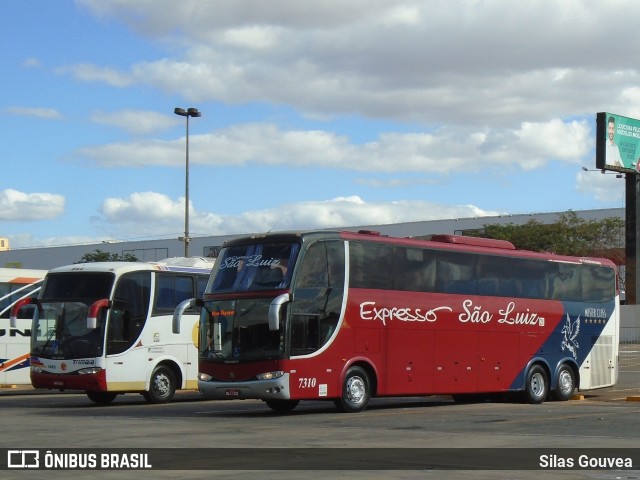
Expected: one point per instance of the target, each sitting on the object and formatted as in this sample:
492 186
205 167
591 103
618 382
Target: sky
314 114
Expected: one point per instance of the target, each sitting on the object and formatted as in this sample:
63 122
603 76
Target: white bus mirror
274 311
177 313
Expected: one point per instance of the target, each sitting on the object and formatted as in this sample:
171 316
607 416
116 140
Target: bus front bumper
57 381
273 389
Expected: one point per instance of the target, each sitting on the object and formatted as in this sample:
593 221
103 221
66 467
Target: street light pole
190 112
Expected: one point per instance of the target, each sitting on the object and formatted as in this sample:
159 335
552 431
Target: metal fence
629 324
628 369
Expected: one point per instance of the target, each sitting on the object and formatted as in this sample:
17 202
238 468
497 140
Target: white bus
16 284
105 328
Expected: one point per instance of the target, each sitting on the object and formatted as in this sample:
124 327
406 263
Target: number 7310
307 382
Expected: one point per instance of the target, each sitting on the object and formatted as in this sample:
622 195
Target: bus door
127 318
315 313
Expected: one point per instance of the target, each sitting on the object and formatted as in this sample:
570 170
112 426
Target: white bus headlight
270 375
89 371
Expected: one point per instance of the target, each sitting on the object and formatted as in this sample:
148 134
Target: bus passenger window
597 283
456 273
318 297
313 271
129 311
567 283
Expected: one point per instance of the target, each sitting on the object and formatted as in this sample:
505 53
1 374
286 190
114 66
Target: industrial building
207 246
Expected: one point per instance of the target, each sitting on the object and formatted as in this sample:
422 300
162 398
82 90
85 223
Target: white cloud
28 240
31 62
143 207
464 86
46 113
607 187
410 60
18 206
444 151
92 73
252 37
553 140
156 214
137 122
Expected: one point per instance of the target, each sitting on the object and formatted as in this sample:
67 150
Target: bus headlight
203 377
270 375
89 371
35 369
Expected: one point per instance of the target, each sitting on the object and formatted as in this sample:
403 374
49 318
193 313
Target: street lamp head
190 112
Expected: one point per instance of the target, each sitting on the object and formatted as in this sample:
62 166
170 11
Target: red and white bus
106 328
16 284
349 316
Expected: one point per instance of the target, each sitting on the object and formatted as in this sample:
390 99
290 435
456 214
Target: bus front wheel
282 406
537 386
162 386
356 391
102 398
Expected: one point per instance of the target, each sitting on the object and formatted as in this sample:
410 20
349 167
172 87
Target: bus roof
21 275
175 264
438 242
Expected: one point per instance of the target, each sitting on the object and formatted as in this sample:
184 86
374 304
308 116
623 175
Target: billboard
617 143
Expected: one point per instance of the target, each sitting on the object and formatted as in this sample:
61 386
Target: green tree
569 235
100 256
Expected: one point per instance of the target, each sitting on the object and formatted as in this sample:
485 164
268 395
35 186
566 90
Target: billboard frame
617 143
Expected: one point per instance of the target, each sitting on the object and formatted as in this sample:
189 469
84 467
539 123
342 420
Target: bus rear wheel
537 386
282 406
102 398
565 384
356 391
162 387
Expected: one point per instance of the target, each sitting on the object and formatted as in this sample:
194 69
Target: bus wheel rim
356 390
564 382
537 384
161 384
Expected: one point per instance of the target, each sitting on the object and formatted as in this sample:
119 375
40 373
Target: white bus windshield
61 322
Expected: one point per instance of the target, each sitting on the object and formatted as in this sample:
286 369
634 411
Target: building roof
206 246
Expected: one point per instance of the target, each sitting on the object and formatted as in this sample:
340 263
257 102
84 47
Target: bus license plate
232 393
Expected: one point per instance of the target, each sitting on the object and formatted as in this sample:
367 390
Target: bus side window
313 270
597 283
129 311
567 284
317 297
456 273
201 285
173 289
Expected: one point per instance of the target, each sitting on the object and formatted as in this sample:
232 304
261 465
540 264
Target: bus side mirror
15 310
177 313
274 311
94 311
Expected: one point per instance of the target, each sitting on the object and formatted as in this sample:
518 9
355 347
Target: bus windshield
235 316
254 267
60 327
237 330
